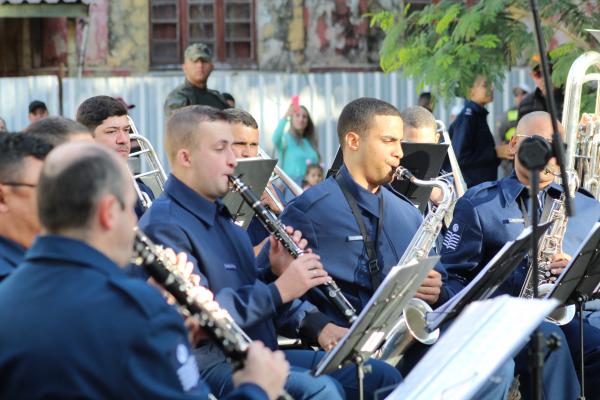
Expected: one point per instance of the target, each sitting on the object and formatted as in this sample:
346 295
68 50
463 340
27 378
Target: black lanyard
370 245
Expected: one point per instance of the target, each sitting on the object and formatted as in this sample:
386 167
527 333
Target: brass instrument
156 170
459 182
583 135
412 325
549 245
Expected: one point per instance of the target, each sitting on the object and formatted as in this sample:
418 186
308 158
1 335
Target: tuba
412 325
150 161
583 134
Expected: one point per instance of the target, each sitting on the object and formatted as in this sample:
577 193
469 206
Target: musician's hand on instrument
436 196
195 331
279 256
264 368
301 275
558 263
268 200
330 335
184 267
431 287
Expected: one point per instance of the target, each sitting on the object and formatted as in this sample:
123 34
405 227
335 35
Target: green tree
446 45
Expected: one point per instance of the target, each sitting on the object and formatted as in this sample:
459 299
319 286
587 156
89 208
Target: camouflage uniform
187 94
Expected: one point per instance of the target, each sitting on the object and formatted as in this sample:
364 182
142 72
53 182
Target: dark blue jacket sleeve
247 305
462 246
247 391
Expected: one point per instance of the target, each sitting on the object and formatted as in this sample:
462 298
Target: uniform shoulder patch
452 238
186 367
468 111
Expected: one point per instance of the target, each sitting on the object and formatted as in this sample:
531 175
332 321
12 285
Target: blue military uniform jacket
222 254
139 206
474 145
488 216
326 221
74 325
11 254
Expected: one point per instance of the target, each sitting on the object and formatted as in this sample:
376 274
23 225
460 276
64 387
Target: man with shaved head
493 213
84 328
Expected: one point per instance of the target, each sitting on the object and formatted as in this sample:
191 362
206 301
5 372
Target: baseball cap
37 104
198 51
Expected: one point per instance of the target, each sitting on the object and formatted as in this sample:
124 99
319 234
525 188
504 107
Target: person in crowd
426 101
493 213
536 101
3 127
189 216
296 147
107 118
472 139
197 67
313 176
37 111
133 344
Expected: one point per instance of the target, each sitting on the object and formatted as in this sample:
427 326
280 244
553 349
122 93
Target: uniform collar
11 251
202 208
476 107
61 248
365 199
512 188
190 85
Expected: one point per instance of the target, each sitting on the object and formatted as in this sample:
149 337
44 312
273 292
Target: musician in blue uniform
493 213
21 160
190 217
107 118
74 325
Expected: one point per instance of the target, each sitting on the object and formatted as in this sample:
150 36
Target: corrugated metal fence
266 95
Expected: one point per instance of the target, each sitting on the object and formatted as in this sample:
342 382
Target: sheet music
483 337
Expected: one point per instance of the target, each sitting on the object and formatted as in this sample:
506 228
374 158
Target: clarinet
277 230
224 331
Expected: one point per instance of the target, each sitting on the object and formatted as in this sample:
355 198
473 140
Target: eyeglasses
540 136
31 185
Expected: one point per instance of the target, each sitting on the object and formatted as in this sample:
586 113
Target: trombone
156 169
459 182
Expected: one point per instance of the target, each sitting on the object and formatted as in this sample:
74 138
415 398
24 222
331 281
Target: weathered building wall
317 34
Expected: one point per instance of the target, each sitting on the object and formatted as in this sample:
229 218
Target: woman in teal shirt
297 147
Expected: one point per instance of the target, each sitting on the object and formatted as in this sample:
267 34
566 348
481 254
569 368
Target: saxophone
412 325
549 245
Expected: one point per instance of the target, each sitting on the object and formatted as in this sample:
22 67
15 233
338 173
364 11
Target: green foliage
447 45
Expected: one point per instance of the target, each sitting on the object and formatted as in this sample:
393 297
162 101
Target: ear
105 212
3 205
184 158
352 140
437 137
513 144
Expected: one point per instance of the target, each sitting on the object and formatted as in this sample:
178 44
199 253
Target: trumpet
156 170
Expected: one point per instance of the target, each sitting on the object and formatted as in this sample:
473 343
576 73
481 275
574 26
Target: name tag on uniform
230 266
354 238
514 221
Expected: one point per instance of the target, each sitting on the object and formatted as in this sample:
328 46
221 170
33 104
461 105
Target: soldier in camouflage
197 67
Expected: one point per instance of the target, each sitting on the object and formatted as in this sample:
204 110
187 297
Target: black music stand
461 362
497 270
255 173
580 282
377 319
423 160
